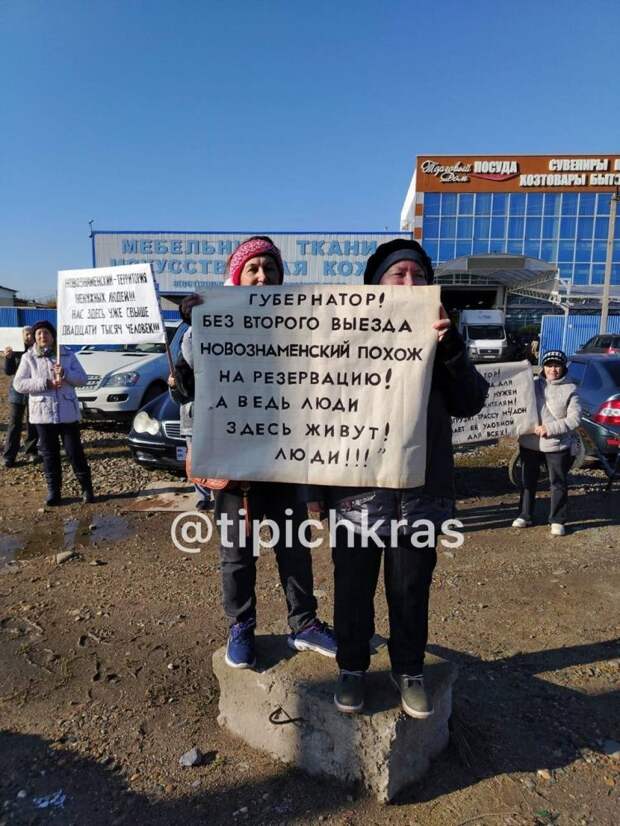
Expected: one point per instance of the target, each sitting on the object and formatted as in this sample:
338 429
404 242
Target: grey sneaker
349 696
414 699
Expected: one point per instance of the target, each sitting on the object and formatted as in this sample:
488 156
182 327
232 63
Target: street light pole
610 251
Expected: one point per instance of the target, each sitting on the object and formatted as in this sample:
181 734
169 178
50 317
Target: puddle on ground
66 535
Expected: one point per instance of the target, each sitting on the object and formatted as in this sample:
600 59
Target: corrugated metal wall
568 334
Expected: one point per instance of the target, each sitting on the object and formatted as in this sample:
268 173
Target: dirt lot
106 679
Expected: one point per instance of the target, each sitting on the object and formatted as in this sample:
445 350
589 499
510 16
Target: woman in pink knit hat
257 263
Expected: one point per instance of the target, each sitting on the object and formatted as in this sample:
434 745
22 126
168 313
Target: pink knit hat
252 249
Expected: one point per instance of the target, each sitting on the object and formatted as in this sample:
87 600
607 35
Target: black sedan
155 440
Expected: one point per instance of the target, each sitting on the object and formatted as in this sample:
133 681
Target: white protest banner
109 305
317 385
12 337
510 408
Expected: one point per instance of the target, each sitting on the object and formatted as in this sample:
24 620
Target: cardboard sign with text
510 408
109 305
12 337
314 384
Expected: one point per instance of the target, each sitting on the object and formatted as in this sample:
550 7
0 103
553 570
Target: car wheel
152 392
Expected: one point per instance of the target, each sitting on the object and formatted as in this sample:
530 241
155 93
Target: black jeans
408 572
238 563
558 464
14 432
50 436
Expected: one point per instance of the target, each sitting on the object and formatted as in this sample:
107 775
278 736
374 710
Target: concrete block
286 708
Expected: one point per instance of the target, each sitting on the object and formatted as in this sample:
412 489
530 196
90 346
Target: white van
484 332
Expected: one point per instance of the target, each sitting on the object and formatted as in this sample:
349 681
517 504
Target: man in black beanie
457 389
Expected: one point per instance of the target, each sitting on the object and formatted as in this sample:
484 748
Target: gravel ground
106 679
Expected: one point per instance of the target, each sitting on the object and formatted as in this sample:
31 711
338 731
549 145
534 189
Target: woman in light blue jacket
54 409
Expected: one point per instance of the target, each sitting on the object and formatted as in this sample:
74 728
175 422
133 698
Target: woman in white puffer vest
559 414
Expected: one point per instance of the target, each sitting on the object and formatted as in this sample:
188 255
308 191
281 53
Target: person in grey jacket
54 409
559 414
457 389
18 405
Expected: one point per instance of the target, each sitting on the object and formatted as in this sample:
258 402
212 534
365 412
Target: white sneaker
557 529
521 523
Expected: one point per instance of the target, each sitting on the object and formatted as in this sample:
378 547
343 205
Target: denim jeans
558 463
238 563
408 572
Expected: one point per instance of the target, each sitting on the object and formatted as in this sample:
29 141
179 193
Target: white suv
121 381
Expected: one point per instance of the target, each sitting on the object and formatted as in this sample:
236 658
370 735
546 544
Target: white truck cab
484 332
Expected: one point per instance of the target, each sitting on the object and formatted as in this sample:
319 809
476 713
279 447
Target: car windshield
482 331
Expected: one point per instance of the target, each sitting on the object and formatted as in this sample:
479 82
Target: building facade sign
516 174
183 262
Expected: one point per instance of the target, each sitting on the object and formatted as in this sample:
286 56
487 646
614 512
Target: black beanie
44 325
374 265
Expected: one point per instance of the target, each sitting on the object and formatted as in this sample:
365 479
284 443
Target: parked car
607 343
598 381
123 379
154 438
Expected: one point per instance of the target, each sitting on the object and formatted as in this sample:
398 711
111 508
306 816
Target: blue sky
144 114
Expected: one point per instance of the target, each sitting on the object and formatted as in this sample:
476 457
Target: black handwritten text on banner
318 385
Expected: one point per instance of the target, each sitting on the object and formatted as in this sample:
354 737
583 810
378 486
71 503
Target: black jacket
10 368
457 389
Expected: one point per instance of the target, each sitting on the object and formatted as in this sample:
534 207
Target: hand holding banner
318 385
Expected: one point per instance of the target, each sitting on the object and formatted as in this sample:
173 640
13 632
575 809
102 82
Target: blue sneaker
317 636
240 648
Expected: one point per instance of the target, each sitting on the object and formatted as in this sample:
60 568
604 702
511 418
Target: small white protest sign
510 408
314 384
109 305
12 337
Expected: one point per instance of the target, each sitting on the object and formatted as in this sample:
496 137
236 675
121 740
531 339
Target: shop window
498 227
552 204
448 227
615 273
432 203
515 227
499 204
582 274
569 203
566 269
603 203
599 251
549 251
583 251
480 246
463 248
567 227
616 252
497 245
601 227
550 227
514 247
430 227
483 203
532 228
598 273
585 227
448 203
466 204
481 228
532 248
566 250
464 228
446 251
587 203
534 203
517 203
431 248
